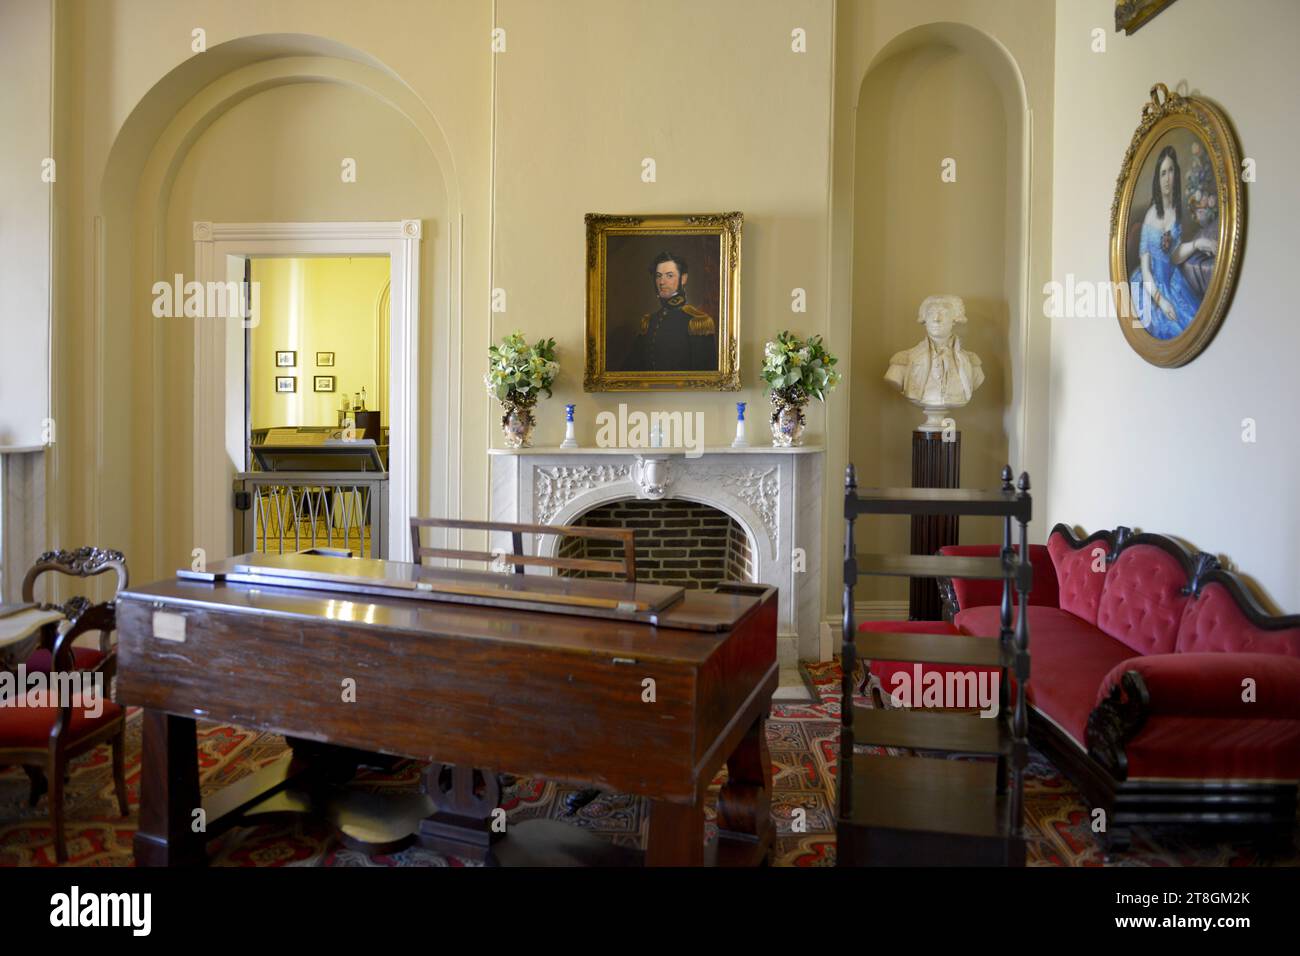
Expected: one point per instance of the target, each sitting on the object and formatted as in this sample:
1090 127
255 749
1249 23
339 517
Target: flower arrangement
795 370
1200 192
517 375
518 372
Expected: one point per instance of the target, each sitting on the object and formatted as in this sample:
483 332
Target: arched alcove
939 207
146 367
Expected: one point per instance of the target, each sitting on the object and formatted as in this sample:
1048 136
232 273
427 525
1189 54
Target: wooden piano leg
169 793
745 831
676 836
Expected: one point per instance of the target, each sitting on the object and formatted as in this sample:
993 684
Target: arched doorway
155 188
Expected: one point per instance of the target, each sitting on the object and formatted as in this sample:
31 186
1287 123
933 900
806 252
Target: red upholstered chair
957 593
60 721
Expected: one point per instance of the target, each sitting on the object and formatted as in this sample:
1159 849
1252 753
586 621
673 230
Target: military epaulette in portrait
701 322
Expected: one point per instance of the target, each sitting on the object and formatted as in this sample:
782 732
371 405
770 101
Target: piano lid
369 576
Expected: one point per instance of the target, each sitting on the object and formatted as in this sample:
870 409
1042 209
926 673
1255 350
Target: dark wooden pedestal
935 464
456 812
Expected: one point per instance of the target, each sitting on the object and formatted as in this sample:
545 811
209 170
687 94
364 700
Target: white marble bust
937 374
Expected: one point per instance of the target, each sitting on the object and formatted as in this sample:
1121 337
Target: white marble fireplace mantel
775 494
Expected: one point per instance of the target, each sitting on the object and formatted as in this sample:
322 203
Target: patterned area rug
802 738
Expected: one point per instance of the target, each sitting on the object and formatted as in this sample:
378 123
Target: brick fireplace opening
678 542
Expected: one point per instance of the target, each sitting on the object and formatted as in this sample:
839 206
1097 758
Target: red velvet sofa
1158 684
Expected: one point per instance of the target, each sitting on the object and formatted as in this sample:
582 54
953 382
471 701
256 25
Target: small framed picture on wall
325 360
323 383
286 383
286 359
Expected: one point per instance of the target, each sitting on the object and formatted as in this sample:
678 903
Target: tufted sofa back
1214 621
1080 574
1142 603
1158 598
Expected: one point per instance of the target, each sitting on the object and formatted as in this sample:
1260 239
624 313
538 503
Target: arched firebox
767 498
680 542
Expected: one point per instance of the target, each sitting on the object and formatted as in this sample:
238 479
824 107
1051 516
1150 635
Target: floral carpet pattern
802 738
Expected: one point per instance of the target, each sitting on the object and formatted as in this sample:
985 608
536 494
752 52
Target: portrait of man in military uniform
663 302
675 336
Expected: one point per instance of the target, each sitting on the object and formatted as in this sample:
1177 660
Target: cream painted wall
1162 449
26 220
916 235
734 121
327 304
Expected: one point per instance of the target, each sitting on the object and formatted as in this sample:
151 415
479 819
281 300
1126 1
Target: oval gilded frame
1164 112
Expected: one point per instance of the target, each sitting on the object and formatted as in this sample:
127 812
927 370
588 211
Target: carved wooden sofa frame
1101 773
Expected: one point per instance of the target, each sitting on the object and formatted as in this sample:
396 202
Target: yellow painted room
573 433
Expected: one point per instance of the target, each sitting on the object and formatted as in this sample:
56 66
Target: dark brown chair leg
38 784
119 770
57 771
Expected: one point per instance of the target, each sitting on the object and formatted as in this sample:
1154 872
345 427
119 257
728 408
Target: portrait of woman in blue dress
1163 299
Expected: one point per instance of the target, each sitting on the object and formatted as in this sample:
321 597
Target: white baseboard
787 650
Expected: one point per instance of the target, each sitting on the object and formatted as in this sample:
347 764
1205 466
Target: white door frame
219 378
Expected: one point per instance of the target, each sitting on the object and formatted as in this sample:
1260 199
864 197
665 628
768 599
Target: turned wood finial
850 478
1006 478
1023 484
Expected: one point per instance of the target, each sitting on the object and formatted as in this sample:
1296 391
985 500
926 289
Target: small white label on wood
168 626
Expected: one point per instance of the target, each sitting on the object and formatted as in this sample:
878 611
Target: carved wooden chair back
46 761
79 563
625 566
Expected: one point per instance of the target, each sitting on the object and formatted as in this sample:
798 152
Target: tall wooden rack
921 810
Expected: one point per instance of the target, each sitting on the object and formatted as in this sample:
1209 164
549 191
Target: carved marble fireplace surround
775 494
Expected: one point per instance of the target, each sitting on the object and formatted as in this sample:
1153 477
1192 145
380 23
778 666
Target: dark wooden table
475 689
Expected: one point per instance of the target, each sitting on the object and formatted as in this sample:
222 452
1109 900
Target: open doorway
224 452
316 377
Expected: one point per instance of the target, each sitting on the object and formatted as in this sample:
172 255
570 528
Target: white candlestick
570 438
740 441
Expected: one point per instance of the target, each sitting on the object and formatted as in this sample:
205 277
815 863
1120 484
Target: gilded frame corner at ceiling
1132 15
727 226
1166 111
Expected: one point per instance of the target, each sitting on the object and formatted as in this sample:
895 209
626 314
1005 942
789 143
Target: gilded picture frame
1177 226
663 302
1132 15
